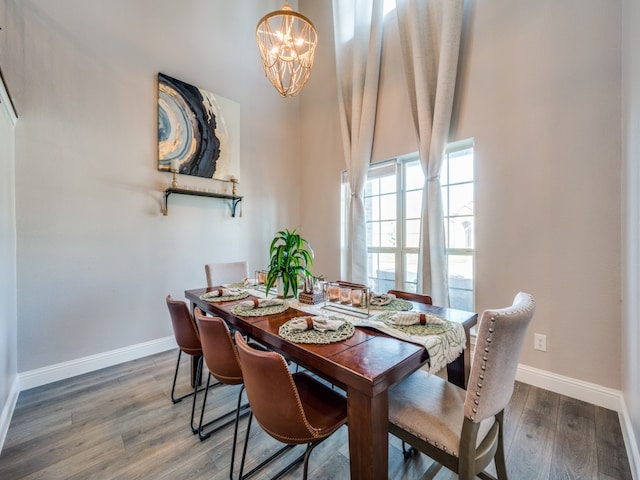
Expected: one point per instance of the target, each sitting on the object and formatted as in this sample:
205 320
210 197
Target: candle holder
347 298
234 185
174 182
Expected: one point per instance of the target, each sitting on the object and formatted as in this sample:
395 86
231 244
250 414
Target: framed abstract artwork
198 131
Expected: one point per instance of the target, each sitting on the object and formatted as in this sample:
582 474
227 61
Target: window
393 207
393 204
456 179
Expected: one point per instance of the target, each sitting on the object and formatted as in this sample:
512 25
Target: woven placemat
314 336
251 311
418 330
207 297
396 305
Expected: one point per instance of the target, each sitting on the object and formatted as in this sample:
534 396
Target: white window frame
450 150
400 250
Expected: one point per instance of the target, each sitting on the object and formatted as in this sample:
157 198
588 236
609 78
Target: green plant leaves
290 257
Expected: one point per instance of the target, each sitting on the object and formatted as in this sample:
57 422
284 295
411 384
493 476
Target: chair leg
235 433
175 378
501 465
408 453
239 408
195 429
284 449
307 455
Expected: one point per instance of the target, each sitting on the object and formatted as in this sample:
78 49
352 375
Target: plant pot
280 289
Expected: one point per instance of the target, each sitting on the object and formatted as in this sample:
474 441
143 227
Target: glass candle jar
356 298
345 295
334 292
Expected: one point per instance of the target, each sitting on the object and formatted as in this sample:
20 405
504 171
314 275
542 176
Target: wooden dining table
365 366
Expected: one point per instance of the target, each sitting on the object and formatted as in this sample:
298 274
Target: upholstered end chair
463 430
225 272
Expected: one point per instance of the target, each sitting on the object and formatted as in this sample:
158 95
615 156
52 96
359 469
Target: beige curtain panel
358 45
430 33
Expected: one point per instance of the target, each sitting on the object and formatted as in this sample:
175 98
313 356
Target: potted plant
291 256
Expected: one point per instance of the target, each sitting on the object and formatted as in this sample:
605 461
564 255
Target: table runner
443 348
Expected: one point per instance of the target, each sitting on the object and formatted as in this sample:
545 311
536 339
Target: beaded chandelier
287 41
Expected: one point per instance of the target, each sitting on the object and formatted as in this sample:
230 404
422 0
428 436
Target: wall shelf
235 199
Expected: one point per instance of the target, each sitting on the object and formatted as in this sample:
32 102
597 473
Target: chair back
184 328
227 272
272 394
413 297
218 349
499 341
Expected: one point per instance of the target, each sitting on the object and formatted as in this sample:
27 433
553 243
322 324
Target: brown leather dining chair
413 297
463 429
186 335
221 358
293 408
188 340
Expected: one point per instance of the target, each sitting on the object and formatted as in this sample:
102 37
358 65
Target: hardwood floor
119 423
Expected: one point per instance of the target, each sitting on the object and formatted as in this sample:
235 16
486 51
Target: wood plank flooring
119 423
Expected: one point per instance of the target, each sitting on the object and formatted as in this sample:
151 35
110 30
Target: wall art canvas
198 129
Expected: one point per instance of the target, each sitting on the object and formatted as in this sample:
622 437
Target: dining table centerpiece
291 256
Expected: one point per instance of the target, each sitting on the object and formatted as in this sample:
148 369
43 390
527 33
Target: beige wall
539 91
95 256
631 218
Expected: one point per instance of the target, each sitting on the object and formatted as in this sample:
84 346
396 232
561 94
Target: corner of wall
7 410
630 440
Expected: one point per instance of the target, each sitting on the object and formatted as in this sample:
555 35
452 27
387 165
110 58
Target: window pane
446 232
388 209
444 171
372 187
461 299
410 270
460 269
461 199
461 166
413 205
414 178
460 232
445 201
373 234
372 261
412 234
384 273
388 234
388 184
368 208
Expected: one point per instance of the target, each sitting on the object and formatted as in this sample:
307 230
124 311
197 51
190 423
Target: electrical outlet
540 342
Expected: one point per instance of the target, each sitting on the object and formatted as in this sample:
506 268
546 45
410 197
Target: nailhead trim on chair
483 367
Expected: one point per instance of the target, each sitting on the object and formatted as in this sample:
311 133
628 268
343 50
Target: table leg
458 370
455 371
368 435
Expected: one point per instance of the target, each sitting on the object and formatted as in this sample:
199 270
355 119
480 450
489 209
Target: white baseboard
585 391
61 371
630 440
7 410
